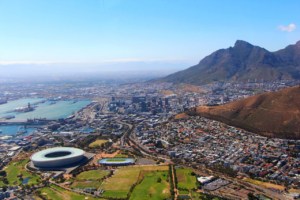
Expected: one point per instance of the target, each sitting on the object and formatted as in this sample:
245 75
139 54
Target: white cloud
289 28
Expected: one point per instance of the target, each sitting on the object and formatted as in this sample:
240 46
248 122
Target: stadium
58 157
116 161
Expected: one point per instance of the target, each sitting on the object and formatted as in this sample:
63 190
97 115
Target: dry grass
97 143
167 92
265 184
191 88
272 114
293 190
181 116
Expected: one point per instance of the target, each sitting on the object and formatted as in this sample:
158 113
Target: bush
2 173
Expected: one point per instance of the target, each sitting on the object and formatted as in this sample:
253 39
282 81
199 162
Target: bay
47 109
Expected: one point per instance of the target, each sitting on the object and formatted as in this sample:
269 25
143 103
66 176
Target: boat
24 109
52 102
21 130
0 131
7 117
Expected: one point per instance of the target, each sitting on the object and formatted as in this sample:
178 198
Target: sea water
52 110
48 110
13 129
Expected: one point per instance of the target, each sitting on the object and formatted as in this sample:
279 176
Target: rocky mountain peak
242 44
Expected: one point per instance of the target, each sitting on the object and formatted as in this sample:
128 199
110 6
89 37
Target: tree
3 173
4 188
251 196
159 180
5 181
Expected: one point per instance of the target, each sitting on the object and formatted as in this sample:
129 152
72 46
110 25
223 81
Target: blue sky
180 32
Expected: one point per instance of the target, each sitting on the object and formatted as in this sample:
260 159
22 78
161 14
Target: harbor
17 129
24 110
24 116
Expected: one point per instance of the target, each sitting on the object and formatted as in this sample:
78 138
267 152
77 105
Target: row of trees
172 186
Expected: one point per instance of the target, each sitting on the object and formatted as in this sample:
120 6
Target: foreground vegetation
155 186
265 184
89 179
56 193
92 175
186 181
16 174
97 143
126 178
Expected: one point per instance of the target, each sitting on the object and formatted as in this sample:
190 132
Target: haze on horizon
68 38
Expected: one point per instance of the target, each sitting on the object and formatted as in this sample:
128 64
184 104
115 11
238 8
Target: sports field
185 181
155 186
116 159
126 177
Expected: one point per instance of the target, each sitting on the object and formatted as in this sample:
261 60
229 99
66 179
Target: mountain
273 114
242 62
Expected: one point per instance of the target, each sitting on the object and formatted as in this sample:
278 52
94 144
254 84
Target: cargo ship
7 117
27 108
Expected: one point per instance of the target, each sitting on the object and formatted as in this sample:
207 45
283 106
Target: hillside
241 62
273 114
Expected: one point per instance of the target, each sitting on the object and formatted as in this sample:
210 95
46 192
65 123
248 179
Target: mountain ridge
242 62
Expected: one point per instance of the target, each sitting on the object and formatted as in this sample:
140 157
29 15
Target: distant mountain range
273 114
242 62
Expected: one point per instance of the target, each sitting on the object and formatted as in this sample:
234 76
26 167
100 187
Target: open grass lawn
49 193
184 192
92 175
185 180
154 186
89 179
120 183
116 194
97 143
118 186
56 193
16 168
86 184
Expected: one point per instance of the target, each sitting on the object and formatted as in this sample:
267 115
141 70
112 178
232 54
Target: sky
155 34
